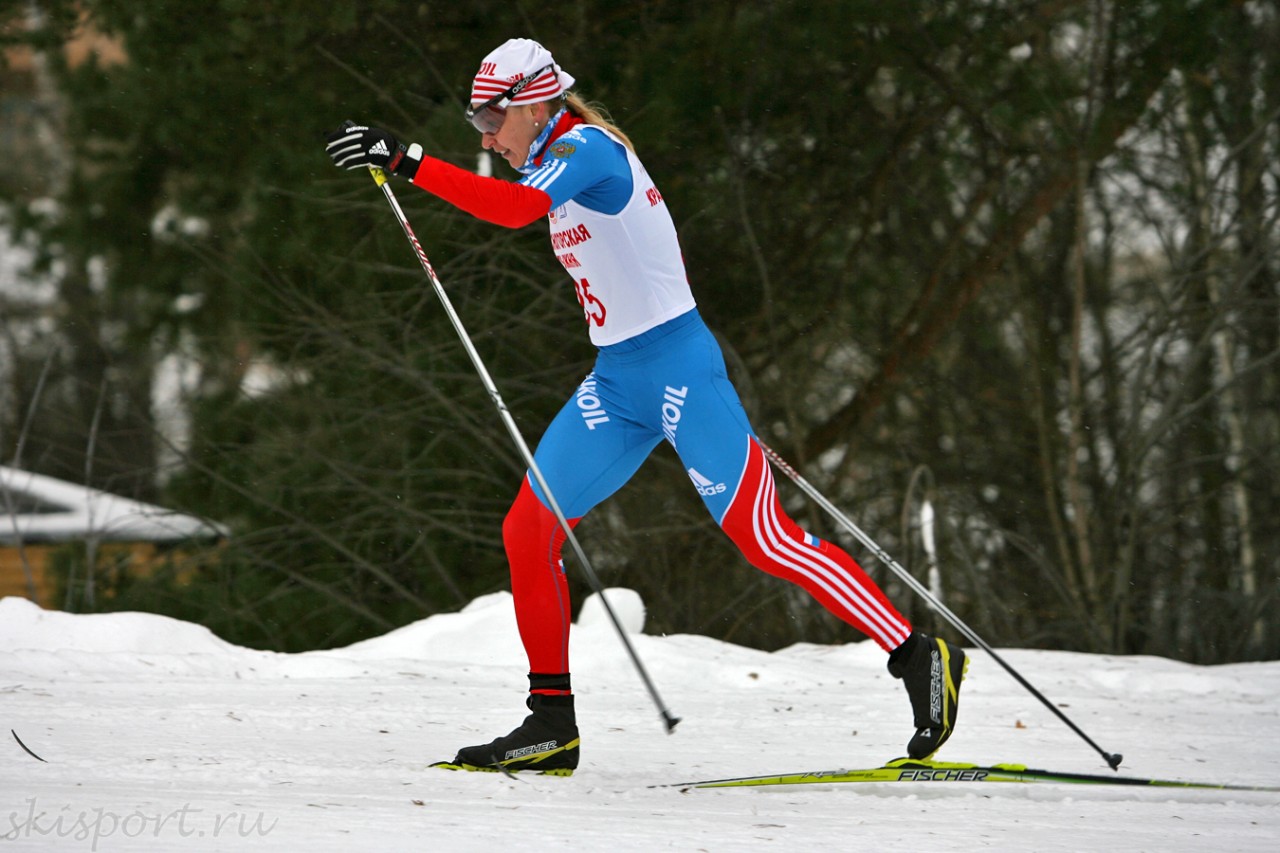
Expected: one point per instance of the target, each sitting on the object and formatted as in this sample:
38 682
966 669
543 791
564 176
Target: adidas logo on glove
380 148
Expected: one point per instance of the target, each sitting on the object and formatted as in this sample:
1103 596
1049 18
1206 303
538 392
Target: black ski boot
546 742
932 672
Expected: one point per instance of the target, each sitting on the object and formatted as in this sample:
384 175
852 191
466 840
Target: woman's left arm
491 199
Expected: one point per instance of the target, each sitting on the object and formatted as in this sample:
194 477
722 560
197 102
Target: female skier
659 374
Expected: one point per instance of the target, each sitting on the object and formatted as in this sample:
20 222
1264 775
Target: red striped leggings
756 523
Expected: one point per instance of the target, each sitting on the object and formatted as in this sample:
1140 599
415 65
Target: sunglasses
488 117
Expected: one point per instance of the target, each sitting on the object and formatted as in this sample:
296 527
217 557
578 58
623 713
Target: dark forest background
1013 260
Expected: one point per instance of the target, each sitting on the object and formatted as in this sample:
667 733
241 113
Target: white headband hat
512 62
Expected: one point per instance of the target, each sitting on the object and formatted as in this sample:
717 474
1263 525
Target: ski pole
380 178
1113 759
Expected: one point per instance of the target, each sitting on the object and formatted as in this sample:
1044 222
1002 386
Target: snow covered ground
157 735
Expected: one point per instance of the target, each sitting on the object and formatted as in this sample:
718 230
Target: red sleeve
491 199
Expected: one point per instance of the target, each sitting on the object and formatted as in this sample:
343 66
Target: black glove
354 146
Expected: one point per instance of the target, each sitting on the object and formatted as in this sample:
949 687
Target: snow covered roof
37 508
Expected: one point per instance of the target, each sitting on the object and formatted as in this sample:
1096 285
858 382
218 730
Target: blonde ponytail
593 113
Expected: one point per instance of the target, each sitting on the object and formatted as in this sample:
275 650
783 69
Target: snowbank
157 735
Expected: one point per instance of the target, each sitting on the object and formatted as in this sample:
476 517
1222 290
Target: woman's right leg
587 453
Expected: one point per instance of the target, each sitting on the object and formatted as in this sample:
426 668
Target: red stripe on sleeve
494 200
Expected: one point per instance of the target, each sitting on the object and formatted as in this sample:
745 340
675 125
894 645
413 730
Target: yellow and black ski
909 770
